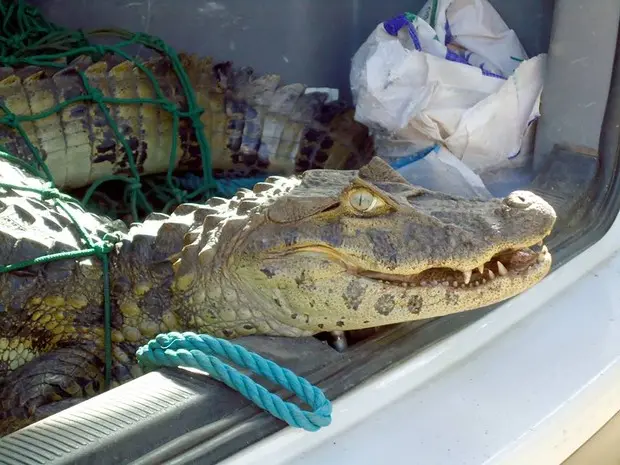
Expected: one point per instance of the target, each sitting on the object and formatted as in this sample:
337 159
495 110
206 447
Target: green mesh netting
26 38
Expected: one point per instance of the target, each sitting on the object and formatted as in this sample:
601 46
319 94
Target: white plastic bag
440 171
433 168
465 84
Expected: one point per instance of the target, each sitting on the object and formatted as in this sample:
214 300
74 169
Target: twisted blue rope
226 187
193 350
408 159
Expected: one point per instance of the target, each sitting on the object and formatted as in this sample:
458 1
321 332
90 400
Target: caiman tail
253 124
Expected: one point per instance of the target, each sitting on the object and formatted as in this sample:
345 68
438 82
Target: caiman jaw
505 264
508 264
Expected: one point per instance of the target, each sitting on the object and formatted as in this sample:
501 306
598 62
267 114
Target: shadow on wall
309 41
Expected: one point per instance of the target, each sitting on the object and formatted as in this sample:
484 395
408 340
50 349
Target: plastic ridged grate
51 440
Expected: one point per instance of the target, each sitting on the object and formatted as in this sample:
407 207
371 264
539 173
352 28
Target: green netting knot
195 115
51 193
107 243
101 248
134 186
16 41
10 120
169 107
95 94
158 43
98 50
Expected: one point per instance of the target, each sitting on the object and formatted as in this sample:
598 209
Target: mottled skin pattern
326 251
253 124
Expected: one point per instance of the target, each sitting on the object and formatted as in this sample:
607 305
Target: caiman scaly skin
253 124
329 250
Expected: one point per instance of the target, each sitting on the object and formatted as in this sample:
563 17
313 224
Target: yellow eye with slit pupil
364 201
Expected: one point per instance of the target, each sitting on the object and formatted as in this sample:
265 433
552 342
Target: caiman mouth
504 264
510 263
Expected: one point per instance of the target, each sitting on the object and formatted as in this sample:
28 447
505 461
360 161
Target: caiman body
253 124
329 250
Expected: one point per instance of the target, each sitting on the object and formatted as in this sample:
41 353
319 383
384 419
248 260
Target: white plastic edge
290 443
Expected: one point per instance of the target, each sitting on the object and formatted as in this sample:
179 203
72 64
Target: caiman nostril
518 200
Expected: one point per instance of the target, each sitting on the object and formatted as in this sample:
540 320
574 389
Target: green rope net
98 248
26 38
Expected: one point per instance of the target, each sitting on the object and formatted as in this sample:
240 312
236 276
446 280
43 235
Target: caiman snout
524 199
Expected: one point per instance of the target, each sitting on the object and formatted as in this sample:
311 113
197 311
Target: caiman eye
364 201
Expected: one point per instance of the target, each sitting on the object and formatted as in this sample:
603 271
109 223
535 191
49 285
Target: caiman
327 250
253 125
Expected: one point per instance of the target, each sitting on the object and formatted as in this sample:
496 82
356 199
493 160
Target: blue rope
227 187
408 159
193 350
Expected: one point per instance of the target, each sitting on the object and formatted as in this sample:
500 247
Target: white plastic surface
527 384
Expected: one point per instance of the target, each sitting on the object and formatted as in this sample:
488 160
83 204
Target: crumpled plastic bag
436 169
456 76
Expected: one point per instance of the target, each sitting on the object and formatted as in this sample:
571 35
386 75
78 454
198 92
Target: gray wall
309 41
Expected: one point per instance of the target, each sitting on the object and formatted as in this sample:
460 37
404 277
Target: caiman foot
338 340
47 385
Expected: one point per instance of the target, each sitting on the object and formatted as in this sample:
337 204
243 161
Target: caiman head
340 250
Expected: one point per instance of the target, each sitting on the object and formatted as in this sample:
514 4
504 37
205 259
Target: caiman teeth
501 269
543 253
503 264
